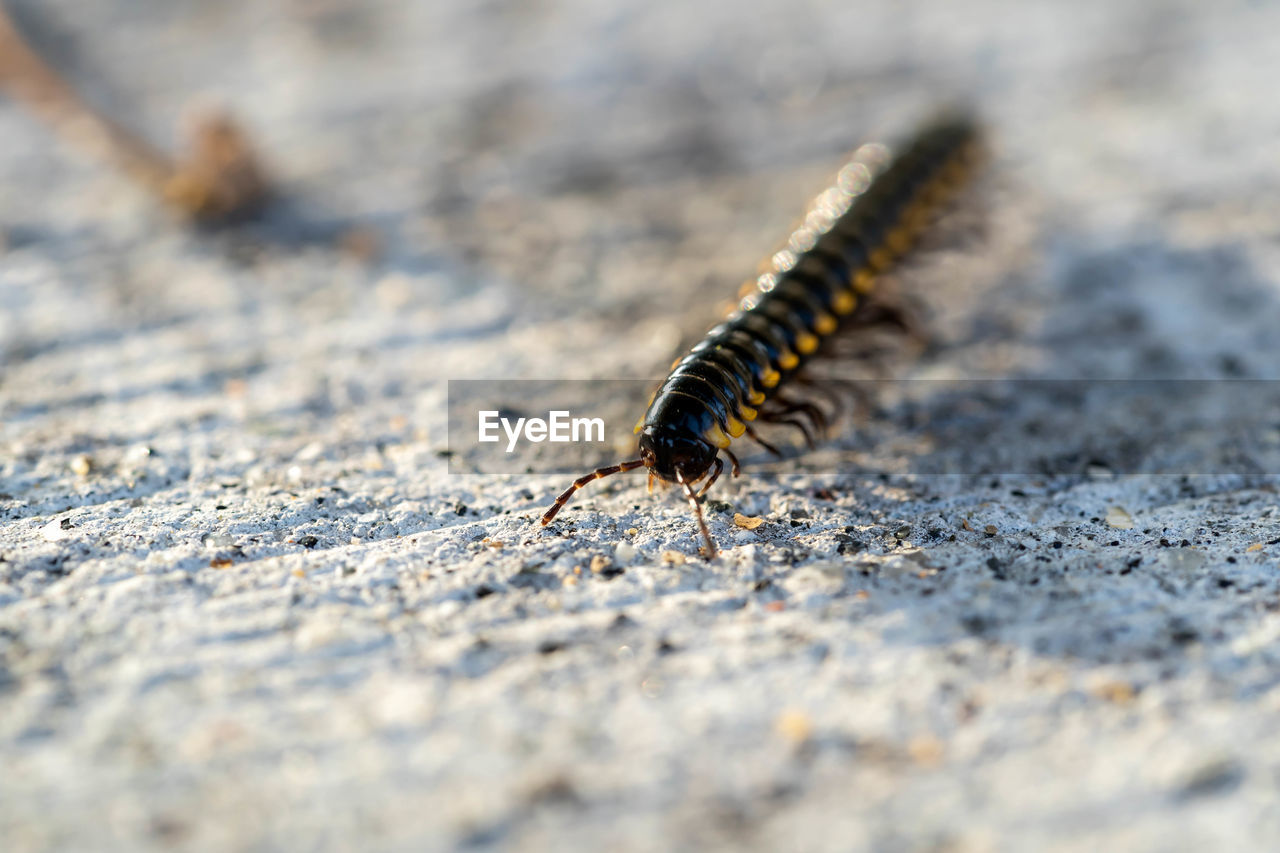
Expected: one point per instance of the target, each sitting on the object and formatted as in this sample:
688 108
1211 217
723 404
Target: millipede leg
828 391
755 436
883 314
715 475
786 406
795 422
737 469
582 481
709 547
803 416
851 394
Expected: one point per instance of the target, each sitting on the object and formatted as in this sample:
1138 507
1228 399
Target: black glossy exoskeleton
852 233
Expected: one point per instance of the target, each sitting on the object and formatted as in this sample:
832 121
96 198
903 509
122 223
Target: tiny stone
599 563
624 553
990 530
794 726
56 530
1119 518
311 452
137 453
81 465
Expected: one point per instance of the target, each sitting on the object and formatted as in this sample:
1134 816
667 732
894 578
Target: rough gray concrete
243 605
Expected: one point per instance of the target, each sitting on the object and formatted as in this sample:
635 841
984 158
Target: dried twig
218 179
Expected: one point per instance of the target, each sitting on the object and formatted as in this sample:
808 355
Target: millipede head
672 453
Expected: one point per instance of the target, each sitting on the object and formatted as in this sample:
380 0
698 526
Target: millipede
817 289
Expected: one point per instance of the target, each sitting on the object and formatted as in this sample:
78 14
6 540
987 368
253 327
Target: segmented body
817 289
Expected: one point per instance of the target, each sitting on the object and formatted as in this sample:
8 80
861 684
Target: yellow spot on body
806 343
937 191
864 279
736 427
677 361
749 413
881 258
755 398
770 378
639 425
824 324
716 436
900 240
844 302
788 360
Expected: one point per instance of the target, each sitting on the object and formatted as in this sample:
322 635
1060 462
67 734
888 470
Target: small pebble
311 452
794 726
81 465
925 750
673 558
1119 518
1116 692
624 553
137 453
56 530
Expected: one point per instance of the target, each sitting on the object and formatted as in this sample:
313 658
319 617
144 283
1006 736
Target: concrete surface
243 605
